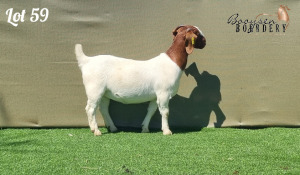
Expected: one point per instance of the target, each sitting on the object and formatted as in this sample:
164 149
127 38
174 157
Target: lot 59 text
36 15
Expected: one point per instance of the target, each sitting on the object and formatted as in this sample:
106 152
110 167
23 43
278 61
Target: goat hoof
97 133
167 132
145 130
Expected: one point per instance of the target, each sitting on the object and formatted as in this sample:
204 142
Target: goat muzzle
200 42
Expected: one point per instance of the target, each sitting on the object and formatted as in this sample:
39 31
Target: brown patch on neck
177 52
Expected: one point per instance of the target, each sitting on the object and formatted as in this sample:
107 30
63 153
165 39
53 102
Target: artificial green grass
209 151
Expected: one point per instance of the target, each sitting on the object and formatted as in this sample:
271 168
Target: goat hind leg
104 104
91 113
151 110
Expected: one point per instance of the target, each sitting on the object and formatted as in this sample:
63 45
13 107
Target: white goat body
129 81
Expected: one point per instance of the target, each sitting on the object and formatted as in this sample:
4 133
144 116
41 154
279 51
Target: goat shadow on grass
186 114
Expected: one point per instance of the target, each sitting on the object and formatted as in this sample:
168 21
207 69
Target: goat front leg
104 104
151 110
163 106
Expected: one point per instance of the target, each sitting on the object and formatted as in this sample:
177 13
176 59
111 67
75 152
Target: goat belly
130 97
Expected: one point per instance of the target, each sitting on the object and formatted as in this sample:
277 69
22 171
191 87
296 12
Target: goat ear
175 31
190 40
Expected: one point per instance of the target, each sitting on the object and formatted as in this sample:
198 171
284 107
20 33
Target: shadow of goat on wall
204 99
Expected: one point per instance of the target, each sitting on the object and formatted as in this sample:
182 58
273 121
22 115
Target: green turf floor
209 151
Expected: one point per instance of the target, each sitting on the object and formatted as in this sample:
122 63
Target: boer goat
129 81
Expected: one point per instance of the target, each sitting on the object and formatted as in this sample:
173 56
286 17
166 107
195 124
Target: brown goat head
194 37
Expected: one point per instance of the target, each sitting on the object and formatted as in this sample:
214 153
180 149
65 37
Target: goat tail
81 57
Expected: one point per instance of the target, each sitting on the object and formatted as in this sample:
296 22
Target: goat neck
177 51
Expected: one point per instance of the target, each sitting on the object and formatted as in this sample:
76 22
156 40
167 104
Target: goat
129 81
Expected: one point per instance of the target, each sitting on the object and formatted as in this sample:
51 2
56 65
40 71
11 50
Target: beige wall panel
41 84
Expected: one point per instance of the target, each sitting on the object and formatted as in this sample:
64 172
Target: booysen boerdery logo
262 23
